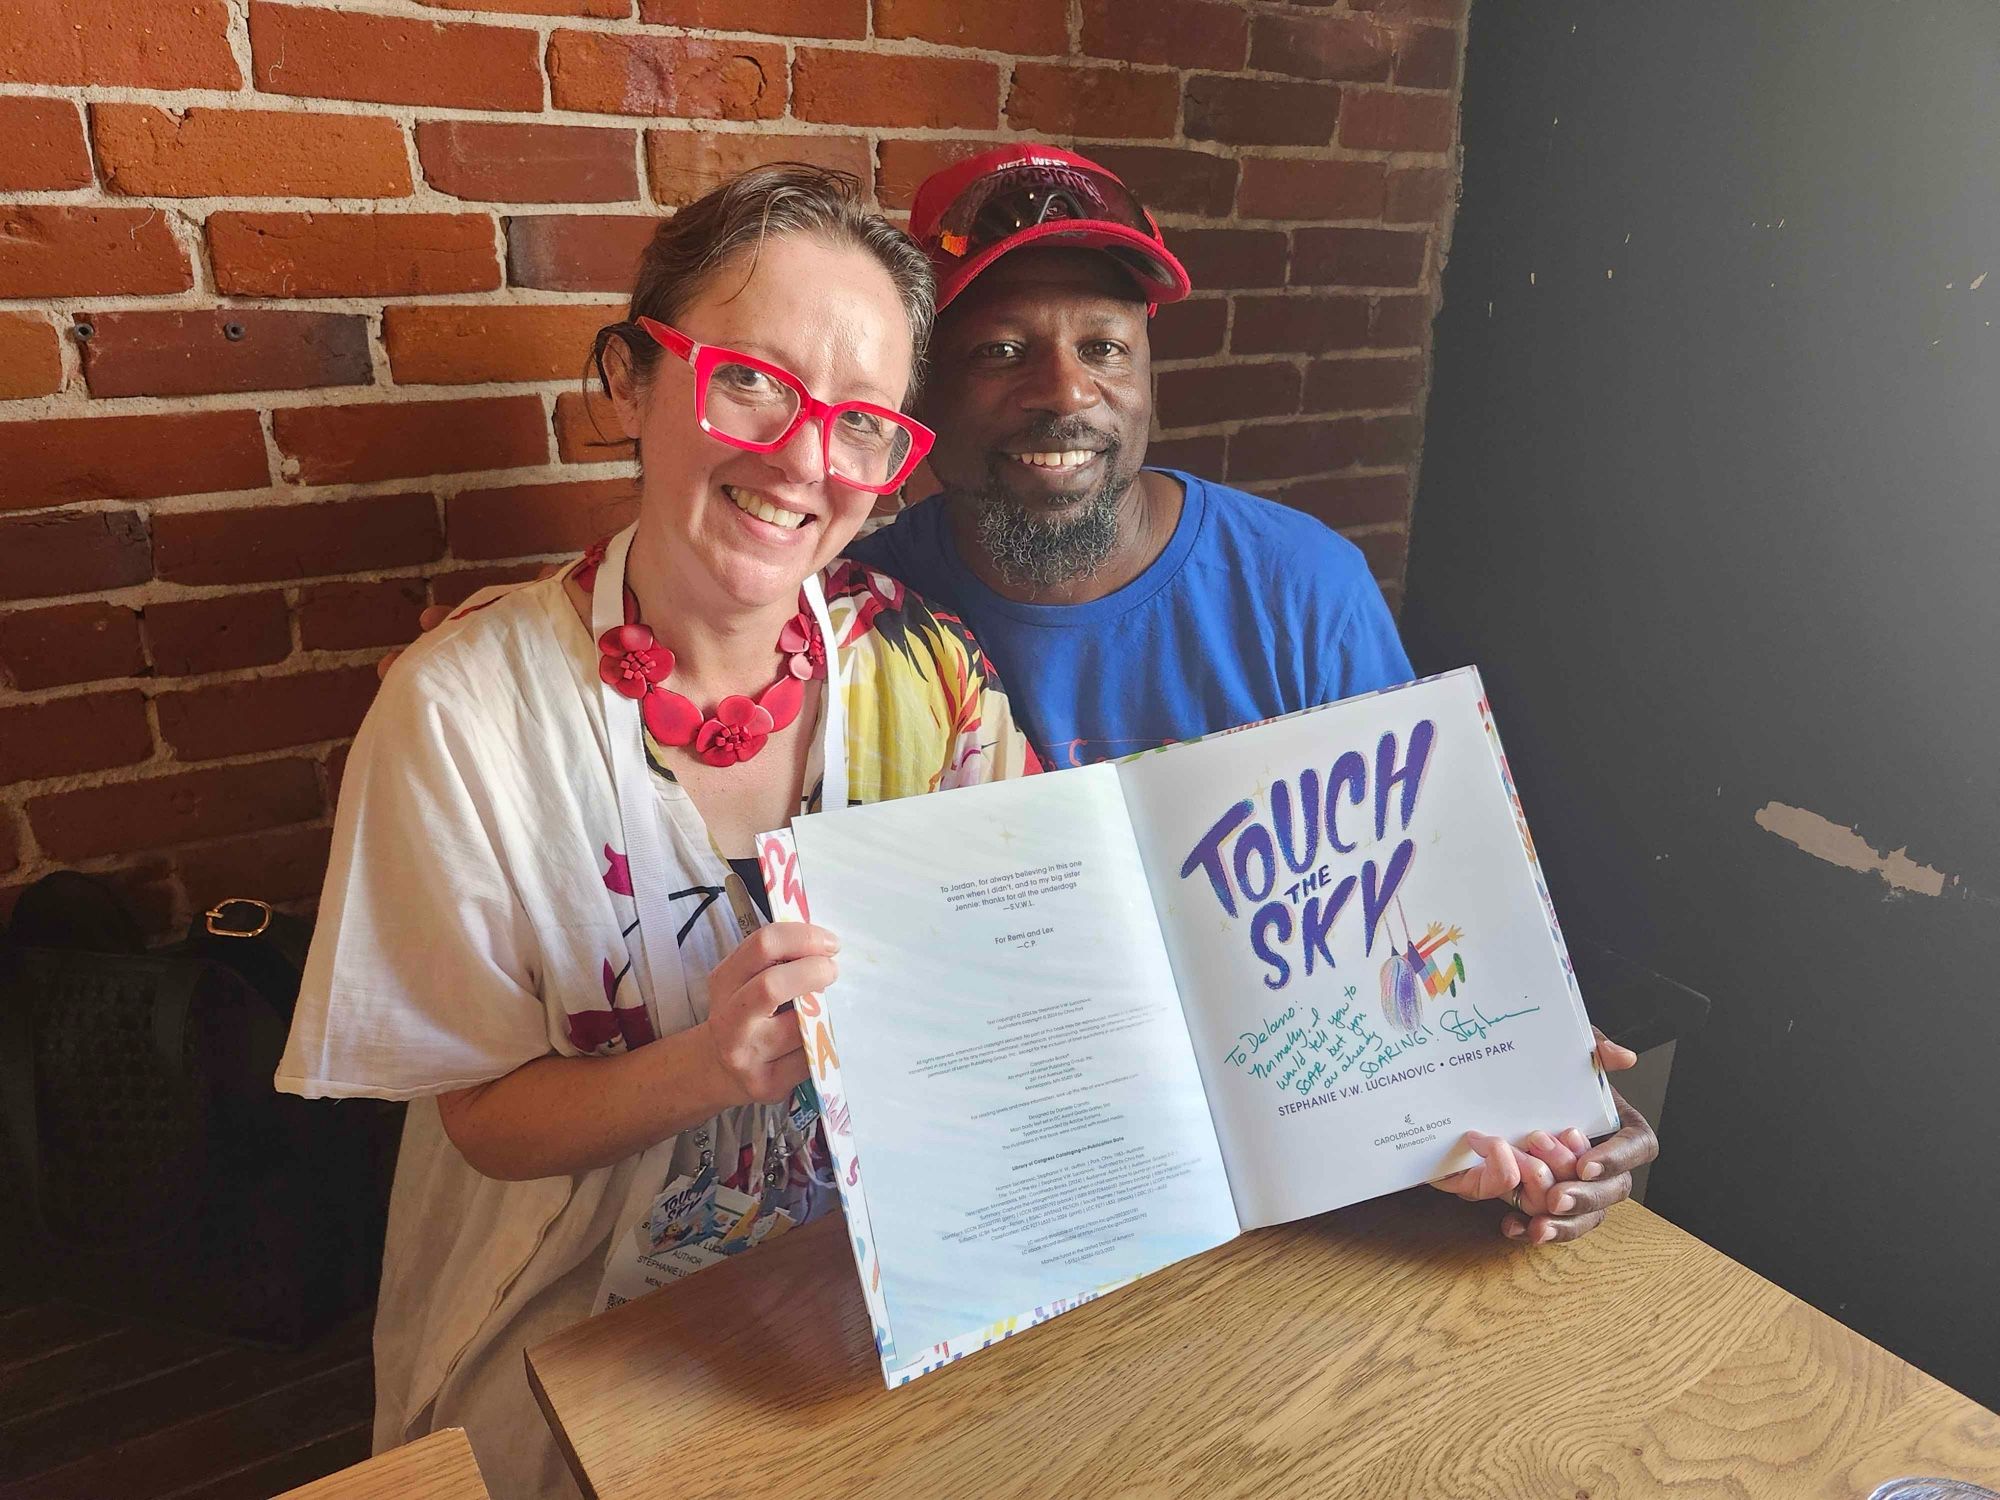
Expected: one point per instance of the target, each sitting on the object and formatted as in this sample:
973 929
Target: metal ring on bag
215 916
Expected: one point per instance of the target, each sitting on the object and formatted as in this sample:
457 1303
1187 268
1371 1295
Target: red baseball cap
973 212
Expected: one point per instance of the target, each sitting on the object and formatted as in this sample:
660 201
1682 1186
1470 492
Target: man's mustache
1055 434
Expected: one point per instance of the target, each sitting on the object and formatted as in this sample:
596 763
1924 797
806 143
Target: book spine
778 863
1541 889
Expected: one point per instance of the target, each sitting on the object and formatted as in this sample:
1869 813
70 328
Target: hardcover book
1092 1022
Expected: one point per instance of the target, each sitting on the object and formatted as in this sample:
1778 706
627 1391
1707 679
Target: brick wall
294 298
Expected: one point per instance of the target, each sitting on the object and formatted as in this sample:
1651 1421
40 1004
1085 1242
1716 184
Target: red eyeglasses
753 404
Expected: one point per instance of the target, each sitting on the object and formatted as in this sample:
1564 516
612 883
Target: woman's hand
759 1053
1503 1169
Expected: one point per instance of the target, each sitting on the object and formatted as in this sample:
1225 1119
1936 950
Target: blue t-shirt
1252 610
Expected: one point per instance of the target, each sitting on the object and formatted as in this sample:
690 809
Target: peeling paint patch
1827 840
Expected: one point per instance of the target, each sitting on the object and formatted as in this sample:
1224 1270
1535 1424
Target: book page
1364 949
1025 1107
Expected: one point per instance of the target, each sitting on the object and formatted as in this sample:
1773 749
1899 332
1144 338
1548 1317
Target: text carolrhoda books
1092 1022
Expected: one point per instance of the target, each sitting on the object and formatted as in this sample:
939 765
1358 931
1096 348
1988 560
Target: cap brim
1151 265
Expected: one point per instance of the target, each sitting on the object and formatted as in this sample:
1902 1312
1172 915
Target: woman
540 923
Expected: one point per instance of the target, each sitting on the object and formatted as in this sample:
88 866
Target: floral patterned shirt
477 915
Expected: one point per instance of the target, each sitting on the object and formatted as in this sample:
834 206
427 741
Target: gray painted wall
1710 494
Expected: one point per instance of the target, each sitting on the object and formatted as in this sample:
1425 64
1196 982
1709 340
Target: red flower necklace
636 666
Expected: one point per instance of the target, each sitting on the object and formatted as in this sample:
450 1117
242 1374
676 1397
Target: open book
1092 1022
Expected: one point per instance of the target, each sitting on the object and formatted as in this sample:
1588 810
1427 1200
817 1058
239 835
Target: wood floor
97 1407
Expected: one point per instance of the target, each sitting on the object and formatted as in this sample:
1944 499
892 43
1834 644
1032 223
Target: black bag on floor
154 1168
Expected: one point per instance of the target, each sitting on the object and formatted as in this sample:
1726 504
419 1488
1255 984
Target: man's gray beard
1039 552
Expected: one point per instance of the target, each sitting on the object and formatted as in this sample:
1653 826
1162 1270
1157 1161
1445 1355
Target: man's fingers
1550 1231
1573 1198
1632 1147
433 616
1616 1059
388 660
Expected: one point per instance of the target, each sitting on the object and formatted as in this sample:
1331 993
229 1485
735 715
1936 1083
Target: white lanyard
659 971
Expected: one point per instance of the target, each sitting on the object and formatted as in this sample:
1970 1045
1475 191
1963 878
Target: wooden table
437 1467
1398 1348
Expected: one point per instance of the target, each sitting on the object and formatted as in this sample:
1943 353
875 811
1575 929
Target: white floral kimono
477 915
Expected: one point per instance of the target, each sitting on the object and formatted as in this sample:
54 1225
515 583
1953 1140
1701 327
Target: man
1128 607
1132 607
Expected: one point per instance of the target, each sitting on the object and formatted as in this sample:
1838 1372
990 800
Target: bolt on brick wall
294 299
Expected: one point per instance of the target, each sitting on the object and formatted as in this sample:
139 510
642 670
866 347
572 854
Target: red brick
222 350
1190 330
1420 195
1201 455
1299 325
1224 259
265 713
786 18
44 556
1365 383
335 54
1358 257
286 864
55 460
684 164
66 735
869 88
351 255
504 162
182 806
10 849
1172 180
350 616
1413 10
1067 100
42 648
45 150
1022 28
1312 188
530 519
1376 120
1284 450
1352 500
1386 551
1427 57
613 73
248 153
1179 33
266 543
905 164
30 357
192 636
1226 393
1260 111
1401 322
50 250
442 345
1335 47
381 440
147 44
578 252
608 10
587 430
461 584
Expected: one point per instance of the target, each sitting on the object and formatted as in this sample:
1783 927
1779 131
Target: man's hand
1566 1183
430 619
437 614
